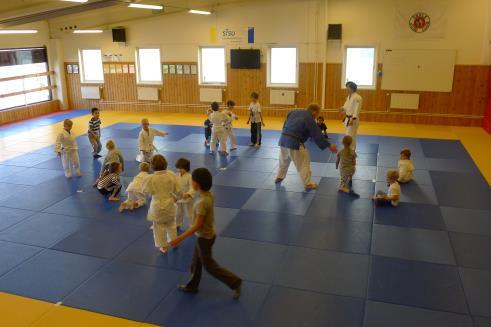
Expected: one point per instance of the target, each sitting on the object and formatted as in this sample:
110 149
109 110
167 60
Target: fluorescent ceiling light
199 12
18 31
76 0
143 6
86 31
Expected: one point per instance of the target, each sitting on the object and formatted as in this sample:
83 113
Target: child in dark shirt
322 125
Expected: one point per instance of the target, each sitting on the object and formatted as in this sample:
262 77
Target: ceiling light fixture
18 31
87 31
199 12
144 6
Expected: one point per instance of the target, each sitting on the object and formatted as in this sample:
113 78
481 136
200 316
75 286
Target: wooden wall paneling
29 111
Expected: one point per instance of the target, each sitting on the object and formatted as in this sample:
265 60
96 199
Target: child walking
184 203
322 125
66 147
110 183
256 120
162 185
391 198
145 141
406 167
218 131
346 162
203 226
229 127
136 197
94 133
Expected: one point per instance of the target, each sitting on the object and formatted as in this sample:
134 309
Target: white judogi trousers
164 232
184 209
218 133
70 161
301 160
231 136
352 130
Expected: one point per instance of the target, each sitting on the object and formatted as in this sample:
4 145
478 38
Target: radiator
210 95
404 101
90 92
147 93
282 97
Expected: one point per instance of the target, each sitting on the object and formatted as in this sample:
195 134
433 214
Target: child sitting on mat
346 162
184 203
110 182
145 141
391 198
66 147
406 167
136 196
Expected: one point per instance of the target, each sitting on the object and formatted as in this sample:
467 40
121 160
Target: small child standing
136 196
66 147
145 141
184 203
208 125
218 131
110 182
346 162
393 195
94 133
162 185
256 120
406 167
322 125
203 226
229 127
113 155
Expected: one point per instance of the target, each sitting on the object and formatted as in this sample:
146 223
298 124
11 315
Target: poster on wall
194 70
119 69
69 69
125 69
131 68
75 69
187 69
112 69
172 69
165 69
179 69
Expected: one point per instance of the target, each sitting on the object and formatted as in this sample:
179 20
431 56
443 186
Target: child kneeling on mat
391 198
110 182
136 197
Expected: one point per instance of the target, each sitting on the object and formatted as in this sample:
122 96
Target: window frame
137 66
269 65
200 65
82 67
375 65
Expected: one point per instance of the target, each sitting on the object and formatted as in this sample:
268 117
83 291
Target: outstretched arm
190 231
316 135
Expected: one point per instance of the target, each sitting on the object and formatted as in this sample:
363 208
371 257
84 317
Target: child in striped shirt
94 133
110 183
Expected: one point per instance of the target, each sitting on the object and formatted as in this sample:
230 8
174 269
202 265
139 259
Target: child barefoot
94 133
145 141
185 203
393 195
230 129
204 228
256 120
346 162
110 182
322 125
113 155
162 185
218 131
406 167
66 148
136 197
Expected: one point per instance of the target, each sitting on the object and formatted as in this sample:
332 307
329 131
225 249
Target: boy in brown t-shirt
203 225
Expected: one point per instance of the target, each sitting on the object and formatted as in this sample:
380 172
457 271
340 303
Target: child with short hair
113 155
66 147
322 125
162 185
256 120
110 182
208 125
203 226
136 197
218 132
406 167
94 133
145 141
184 203
230 129
346 162
393 195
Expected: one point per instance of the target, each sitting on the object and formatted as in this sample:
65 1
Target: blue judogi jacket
298 128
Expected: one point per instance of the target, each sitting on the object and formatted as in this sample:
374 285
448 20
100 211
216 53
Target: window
212 65
283 67
24 77
148 66
91 70
359 66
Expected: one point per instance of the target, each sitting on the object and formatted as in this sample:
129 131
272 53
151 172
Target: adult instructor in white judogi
299 126
352 109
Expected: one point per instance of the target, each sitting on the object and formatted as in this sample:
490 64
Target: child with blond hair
185 202
110 182
145 141
392 197
66 147
136 197
346 162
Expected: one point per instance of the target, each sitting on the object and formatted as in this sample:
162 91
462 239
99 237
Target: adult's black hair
203 178
352 85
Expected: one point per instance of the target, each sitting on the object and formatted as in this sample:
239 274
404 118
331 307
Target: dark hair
203 178
113 167
230 103
406 152
183 163
94 110
214 106
159 162
320 118
255 95
352 85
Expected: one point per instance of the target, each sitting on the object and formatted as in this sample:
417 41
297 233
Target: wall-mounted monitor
245 58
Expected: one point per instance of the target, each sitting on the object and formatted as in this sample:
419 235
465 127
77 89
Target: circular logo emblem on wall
419 22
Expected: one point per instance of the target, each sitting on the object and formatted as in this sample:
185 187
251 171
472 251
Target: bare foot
344 190
113 198
122 207
163 250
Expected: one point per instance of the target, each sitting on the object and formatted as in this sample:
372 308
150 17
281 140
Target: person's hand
248 121
333 148
175 242
186 196
264 125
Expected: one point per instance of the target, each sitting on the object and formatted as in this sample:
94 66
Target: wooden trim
6 79
29 111
51 87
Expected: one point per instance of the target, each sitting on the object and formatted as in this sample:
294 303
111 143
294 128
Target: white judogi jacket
138 182
219 119
145 139
185 182
162 185
352 107
65 141
231 115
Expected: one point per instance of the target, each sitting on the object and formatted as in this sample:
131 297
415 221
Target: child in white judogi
406 166
136 197
66 147
229 128
351 109
145 141
218 131
185 202
162 186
